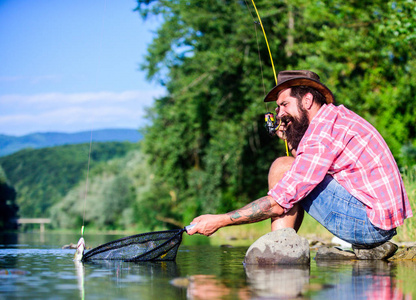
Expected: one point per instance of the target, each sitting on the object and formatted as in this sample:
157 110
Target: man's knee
278 168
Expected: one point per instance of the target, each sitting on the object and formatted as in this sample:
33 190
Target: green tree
110 202
364 50
8 207
210 123
206 143
42 177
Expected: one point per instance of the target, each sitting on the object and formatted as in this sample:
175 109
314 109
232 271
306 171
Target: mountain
42 177
10 144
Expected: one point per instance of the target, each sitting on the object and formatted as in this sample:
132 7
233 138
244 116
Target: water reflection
8 239
329 280
80 270
278 282
31 270
203 287
124 271
363 279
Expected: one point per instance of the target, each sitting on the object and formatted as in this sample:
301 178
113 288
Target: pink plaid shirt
341 143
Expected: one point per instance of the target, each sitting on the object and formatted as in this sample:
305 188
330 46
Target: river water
33 266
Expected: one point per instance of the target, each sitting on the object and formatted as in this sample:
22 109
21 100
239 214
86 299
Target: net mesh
153 246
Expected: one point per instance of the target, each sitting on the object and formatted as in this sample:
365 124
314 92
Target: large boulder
280 247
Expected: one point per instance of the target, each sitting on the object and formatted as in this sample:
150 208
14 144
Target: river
34 266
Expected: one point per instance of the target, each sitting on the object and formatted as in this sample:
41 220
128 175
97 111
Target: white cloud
22 114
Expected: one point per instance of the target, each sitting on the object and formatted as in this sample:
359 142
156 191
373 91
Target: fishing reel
272 125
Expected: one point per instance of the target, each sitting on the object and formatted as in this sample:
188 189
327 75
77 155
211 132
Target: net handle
189 227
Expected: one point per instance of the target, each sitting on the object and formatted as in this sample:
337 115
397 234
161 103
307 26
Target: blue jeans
343 214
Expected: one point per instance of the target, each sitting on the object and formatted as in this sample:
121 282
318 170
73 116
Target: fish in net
151 246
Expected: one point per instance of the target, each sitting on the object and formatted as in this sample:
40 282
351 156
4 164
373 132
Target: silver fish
79 254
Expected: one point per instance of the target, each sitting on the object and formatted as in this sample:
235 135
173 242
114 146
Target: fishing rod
271 123
81 242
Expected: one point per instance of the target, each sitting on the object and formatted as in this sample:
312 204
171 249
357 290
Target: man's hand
208 224
281 131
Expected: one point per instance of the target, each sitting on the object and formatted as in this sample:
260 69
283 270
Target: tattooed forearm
258 210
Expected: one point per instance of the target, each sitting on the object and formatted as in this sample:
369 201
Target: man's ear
307 101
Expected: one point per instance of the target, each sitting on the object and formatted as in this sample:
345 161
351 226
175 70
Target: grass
407 232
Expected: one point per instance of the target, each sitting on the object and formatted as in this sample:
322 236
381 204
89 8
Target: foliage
42 177
205 150
205 140
111 199
364 49
8 207
407 232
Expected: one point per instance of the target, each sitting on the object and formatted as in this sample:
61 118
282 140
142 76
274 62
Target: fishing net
153 246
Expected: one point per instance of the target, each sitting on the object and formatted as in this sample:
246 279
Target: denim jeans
343 214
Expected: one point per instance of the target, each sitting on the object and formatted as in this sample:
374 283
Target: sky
69 66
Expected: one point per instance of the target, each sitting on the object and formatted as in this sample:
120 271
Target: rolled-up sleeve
312 163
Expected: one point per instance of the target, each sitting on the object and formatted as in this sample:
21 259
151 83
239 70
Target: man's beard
297 129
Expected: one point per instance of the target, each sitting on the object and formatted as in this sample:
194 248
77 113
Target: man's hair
299 91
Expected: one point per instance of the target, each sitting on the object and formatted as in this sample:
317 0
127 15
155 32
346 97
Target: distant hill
42 177
10 144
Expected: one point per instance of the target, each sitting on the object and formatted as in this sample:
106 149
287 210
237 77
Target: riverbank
245 235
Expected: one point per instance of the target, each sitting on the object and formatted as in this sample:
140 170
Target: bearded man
342 173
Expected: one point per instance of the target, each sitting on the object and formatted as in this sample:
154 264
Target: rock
405 254
280 247
331 253
383 251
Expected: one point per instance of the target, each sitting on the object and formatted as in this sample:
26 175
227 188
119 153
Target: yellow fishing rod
269 116
265 38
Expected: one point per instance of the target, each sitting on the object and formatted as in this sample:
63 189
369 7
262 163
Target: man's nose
277 110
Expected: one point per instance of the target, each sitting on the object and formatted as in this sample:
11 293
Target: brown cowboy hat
287 79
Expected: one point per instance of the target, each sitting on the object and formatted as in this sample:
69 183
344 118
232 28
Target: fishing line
90 149
258 50
86 186
267 42
271 58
